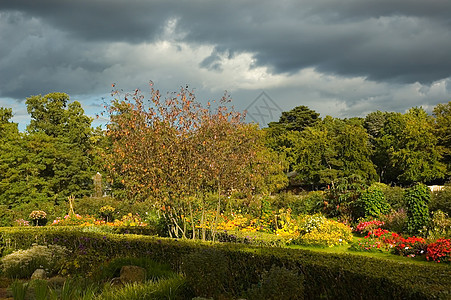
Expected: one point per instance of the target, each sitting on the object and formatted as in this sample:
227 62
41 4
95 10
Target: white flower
406 248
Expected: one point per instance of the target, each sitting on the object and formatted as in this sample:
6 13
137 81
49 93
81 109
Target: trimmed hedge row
325 275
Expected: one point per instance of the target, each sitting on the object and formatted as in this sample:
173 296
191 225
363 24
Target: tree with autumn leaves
175 151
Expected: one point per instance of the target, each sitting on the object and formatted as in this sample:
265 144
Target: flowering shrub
73 220
106 212
395 221
21 222
130 220
378 240
22 263
440 251
38 217
439 226
330 233
377 233
369 244
38 214
309 223
287 226
236 222
390 239
367 226
411 246
239 222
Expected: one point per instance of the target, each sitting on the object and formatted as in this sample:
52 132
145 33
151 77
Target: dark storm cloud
402 41
108 20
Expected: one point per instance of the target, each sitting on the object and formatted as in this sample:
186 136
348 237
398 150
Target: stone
39 274
130 274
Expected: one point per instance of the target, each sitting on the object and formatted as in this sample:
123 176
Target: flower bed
440 251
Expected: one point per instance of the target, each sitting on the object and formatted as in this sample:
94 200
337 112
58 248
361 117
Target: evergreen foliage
372 203
417 199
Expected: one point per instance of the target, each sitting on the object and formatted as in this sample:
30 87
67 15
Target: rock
130 274
39 274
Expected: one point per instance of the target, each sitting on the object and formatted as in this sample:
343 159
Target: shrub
106 213
7 216
286 224
22 263
311 203
285 199
411 246
394 196
253 238
207 272
395 221
330 233
372 203
367 226
440 251
72 220
377 240
21 222
417 199
441 200
38 217
439 226
278 283
308 223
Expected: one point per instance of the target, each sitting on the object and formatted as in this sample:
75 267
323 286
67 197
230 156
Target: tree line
176 151
388 147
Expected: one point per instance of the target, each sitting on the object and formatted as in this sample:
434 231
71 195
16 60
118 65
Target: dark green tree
418 157
442 113
406 147
65 162
316 157
282 136
11 155
52 159
331 149
298 118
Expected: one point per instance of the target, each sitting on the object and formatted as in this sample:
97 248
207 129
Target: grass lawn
378 255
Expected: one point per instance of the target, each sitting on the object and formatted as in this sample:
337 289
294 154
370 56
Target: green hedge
325 275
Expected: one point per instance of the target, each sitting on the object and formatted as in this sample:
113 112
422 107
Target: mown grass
379 255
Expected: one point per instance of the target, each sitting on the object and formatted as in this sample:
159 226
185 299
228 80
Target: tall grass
171 288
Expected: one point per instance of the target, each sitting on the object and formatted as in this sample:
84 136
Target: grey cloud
212 62
111 20
400 47
387 41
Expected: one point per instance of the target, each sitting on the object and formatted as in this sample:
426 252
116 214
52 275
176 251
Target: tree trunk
218 208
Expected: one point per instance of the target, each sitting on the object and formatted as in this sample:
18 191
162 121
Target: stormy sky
342 58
